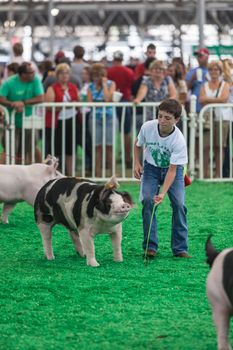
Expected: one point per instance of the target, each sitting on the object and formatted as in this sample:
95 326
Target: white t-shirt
162 151
224 113
66 113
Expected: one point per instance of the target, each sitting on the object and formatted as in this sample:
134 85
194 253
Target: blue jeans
153 177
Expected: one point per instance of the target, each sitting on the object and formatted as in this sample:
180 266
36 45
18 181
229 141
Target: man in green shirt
20 92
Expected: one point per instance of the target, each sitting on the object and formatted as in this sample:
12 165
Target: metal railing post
192 126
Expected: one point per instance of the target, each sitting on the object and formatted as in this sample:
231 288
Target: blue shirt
197 84
98 96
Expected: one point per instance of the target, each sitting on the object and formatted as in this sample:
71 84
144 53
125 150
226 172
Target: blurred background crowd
151 80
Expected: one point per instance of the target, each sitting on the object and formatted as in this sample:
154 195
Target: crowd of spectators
63 80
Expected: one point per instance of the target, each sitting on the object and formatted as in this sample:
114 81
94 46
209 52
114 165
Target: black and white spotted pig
85 209
219 288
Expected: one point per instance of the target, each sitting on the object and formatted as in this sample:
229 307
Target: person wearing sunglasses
19 93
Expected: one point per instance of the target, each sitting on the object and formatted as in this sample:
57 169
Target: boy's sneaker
183 255
151 254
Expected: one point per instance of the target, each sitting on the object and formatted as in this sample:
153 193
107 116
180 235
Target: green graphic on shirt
161 158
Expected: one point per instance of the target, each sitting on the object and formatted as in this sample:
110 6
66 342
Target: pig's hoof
93 263
82 254
50 257
5 221
118 258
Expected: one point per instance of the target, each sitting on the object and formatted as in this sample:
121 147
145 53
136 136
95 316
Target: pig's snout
123 208
126 207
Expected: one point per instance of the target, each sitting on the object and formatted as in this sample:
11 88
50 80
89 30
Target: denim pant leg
176 193
150 187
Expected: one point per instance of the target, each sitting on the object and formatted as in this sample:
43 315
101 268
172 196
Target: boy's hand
138 171
159 198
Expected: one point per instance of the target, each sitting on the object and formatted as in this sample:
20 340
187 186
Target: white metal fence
5 135
84 158
31 126
214 137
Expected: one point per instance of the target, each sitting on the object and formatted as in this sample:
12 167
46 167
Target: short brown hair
151 47
13 67
98 69
78 51
87 69
22 69
17 49
170 105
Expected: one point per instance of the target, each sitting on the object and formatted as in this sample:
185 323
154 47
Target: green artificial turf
65 305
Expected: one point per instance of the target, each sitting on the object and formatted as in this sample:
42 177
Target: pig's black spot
61 187
94 200
228 275
91 191
65 186
40 200
47 218
59 216
105 202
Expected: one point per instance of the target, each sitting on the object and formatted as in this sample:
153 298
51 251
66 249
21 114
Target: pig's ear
53 162
111 184
48 160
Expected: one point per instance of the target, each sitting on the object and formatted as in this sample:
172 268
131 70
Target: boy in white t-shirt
164 160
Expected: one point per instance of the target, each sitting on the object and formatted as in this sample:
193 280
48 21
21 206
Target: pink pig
20 183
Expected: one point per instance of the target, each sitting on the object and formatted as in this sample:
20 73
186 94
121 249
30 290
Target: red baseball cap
203 51
59 54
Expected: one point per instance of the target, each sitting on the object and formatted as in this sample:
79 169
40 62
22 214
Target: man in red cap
202 51
58 56
196 76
